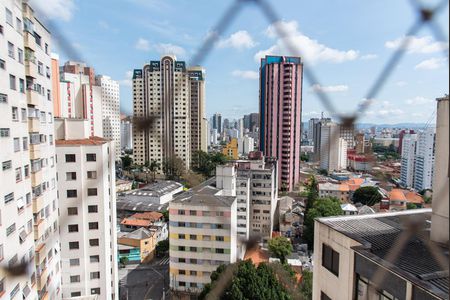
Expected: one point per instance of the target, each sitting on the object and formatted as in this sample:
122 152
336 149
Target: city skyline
409 94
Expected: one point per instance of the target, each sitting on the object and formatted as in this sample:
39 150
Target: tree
280 247
312 191
367 195
192 179
173 168
323 172
127 162
165 215
323 207
304 157
162 247
205 163
123 260
306 286
153 167
411 206
265 282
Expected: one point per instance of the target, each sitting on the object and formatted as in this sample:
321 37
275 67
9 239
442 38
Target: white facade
87 204
110 103
126 134
407 160
333 148
28 208
424 160
246 145
214 136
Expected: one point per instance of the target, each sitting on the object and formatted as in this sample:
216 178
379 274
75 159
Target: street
145 281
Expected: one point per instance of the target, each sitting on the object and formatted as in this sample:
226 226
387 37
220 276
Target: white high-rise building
246 145
171 97
28 206
424 160
110 101
407 160
214 136
126 133
87 206
333 148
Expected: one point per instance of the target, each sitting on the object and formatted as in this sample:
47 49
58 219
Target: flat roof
379 234
205 194
93 140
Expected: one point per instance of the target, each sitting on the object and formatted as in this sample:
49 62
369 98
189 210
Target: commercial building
28 207
376 256
110 99
217 122
424 159
280 108
170 97
87 204
202 235
333 148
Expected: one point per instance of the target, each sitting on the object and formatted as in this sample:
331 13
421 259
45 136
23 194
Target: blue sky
346 43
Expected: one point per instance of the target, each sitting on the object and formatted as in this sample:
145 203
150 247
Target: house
138 245
151 220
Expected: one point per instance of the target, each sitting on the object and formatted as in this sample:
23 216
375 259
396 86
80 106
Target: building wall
280 110
407 161
231 149
105 217
424 160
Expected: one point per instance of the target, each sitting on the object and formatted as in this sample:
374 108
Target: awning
20 203
23 235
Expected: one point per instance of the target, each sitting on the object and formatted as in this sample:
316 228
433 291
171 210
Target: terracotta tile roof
343 187
412 197
257 255
397 194
149 215
136 222
93 140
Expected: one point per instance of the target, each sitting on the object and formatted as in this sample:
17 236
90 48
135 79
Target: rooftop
205 194
380 233
138 234
93 140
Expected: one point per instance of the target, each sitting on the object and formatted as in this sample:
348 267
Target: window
9 17
18 174
75 294
219 238
324 296
181 272
92 192
40 68
74 262
92 174
94 258
10 49
3 98
219 250
72 211
9 197
15 113
192 212
26 171
94 242
71 193
70 158
16 142
91 157
330 259
95 291
95 275
10 229
74 245
6 165
73 228
20 55
71 176
93 225
12 82
18 24
75 278
25 143
92 208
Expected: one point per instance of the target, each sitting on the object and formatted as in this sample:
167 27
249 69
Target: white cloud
54 9
142 44
238 40
401 83
329 89
424 45
311 50
419 100
170 49
245 74
431 64
369 56
127 81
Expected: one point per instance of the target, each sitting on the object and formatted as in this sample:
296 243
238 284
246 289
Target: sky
345 43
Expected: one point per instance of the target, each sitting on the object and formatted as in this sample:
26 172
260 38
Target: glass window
91 157
75 278
12 82
72 211
70 158
93 225
10 49
73 227
92 208
330 259
92 192
94 242
94 258
92 174
74 262
74 245
71 176
71 193
9 17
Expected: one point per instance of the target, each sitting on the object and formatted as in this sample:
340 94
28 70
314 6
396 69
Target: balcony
42 279
39 229
41 253
32 97
29 40
35 151
38 204
34 125
36 178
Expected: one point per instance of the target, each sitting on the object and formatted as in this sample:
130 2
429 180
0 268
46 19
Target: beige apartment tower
172 97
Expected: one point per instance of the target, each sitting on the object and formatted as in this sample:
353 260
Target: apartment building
333 148
110 102
246 145
424 159
280 108
87 206
348 134
126 133
202 235
408 151
169 95
316 133
28 210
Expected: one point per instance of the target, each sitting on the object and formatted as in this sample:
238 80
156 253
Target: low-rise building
137 246
123 185
339 191
151 220
363 257
231 150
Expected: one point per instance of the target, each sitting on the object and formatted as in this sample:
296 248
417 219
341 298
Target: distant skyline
347 46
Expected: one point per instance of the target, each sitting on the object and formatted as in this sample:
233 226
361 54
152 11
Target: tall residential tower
280 110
